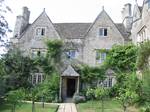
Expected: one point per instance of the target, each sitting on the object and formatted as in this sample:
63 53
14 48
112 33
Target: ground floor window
108 82
37 78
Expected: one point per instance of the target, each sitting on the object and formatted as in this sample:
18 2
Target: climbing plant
143 55
122 58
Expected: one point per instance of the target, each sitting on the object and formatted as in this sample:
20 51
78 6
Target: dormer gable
41 28
103 26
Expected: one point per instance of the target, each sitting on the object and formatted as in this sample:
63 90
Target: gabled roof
30 25
70 72
77 30
121 30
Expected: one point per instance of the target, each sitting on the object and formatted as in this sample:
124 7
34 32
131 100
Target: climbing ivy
122 58
143 55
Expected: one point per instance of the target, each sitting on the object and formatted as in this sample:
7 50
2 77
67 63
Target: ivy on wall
143 55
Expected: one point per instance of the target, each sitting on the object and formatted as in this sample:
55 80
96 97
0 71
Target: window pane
34 54
38 31
105 83
39 78
43 32
100 57
110 82
33 79
97 55
103 56
71 53
101 32
39 53
105 32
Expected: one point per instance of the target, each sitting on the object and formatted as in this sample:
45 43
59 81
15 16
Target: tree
2 82
51 66
49 89
127 97
54 54
4 28
18 69
128 89
101 93
122 60
15 98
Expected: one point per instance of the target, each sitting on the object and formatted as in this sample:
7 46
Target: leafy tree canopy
17 68
4 27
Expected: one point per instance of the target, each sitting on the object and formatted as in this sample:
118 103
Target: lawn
109 106
27 107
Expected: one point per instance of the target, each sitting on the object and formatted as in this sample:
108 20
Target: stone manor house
85 40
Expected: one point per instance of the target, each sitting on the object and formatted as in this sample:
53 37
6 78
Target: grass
109 106
27 107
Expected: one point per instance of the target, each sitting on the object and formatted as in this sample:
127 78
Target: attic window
102 32
40 32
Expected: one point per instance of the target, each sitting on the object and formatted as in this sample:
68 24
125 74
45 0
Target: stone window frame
142 35
108 82
68 53
102 31
37 78
99 56
39 33
35 51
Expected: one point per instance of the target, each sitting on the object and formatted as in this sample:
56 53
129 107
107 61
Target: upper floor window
71 54
37 53
142 35
100 56
40 31
103 32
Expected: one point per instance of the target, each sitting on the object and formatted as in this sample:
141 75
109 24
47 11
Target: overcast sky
68 10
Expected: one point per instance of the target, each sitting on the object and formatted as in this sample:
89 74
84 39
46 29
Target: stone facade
141 22
82 40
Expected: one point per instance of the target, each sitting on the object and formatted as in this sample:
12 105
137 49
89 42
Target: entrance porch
69 83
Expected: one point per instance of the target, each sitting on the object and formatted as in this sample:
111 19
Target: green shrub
90 94
147 109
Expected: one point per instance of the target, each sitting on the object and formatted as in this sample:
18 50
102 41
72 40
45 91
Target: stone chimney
127 16
21 22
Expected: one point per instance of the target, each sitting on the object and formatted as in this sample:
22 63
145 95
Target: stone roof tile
72 30
70 72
